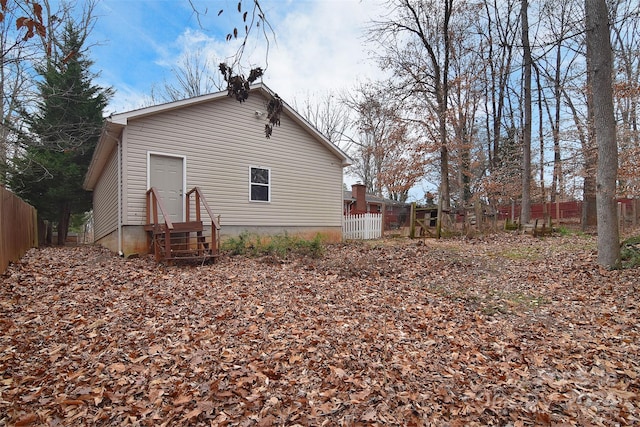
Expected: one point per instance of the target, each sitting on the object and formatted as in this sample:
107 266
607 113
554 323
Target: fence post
620 217
439 220
412 233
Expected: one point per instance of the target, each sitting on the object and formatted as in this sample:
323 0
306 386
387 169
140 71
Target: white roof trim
123 118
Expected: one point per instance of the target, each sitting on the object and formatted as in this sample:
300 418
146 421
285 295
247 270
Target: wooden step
178 227
185 256
186 242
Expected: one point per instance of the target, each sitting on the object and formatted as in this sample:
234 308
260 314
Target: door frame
184 173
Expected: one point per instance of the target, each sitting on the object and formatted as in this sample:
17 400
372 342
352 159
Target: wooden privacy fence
362 226
18 228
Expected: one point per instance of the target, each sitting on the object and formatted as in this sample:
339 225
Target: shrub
630 252
237 246
279 245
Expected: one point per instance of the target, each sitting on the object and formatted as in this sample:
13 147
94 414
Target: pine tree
62 135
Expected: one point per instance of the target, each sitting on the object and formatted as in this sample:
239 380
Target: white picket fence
362 226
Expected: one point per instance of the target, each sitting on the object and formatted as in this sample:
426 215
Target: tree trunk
444 173
590 154
589 209
443 98
3 158
525 214
49 234
585 134
558 178
63 223
543 196
600 69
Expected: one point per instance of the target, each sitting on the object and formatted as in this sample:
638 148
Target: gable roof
371 198
115 123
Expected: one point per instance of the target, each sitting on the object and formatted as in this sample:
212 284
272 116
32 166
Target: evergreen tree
62 135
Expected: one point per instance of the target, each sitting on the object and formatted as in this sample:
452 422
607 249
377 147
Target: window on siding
260 184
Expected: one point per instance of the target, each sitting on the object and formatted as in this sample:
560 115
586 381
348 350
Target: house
357 201
150 162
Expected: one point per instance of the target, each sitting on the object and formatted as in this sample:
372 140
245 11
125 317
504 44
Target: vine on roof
237 84
238 87
274 109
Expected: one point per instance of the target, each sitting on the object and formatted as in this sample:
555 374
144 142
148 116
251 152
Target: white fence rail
362 226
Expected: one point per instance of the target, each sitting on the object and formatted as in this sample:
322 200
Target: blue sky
319 44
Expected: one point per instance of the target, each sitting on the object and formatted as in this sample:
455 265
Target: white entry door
166 174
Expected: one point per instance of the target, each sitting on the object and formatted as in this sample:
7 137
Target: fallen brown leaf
497 330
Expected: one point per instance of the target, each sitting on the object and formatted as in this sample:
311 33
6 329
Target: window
260 184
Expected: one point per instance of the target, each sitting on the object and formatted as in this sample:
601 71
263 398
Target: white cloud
319 47
127 98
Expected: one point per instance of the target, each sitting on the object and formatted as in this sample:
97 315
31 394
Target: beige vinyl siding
221 140
105 199
134 179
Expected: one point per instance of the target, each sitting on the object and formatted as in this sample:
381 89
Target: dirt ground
503 330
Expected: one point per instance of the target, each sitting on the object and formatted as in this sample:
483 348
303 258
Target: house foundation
134 237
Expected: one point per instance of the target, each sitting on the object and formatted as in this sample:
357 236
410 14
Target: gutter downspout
119 154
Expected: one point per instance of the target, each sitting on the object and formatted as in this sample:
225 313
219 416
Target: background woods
481 81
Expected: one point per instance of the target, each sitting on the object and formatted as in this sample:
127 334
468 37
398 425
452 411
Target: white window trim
267 185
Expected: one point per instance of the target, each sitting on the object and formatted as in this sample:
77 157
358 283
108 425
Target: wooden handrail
174 241
152 196
200 198
215 226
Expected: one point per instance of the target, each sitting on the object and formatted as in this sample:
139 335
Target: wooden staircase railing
171 241
199 200
154 203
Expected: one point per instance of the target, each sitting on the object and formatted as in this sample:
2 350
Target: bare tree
373 121
625 27
250 20
194 75
14 81
404 162
29 36
466 92
331 116
563 65
562 23
497 31
388 156
414 42
525 213
600 69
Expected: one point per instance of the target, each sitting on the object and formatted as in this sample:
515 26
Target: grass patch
512 302
568 231
564 231
528 301
279 245
522 253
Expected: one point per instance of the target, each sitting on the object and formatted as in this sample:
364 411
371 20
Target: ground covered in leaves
501 330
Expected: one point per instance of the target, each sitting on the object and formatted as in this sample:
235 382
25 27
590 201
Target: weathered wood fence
18 228
362 226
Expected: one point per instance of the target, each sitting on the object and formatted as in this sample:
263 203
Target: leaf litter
500 330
